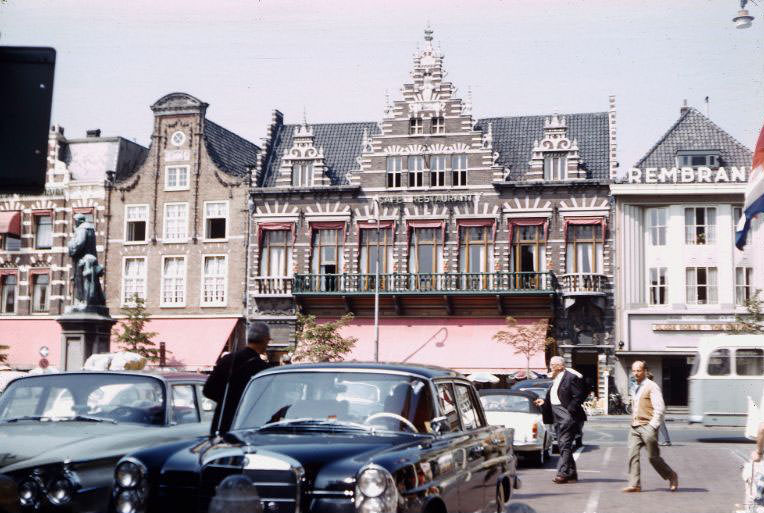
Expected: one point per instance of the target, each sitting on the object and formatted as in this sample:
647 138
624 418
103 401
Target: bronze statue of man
86 271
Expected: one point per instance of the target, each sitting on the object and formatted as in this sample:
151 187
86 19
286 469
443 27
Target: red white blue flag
754 196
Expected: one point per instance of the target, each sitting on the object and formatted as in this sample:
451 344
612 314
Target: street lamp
743 19
376 286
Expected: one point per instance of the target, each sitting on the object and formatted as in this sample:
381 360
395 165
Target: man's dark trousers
567 429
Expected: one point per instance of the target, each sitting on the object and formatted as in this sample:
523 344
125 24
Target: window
658 289
394 171
11 243
174 281
416 171
701 285
326 257
697 158
475 256
216 216
136 221
43 231
584 251
656 219
175 222
448 406
528 249
700 225
214 281
749 362
719 362
8 293
743 284
368 258
458 170
438 125
176 178
426 257
184 405
555 167
275 253
134 280
737 213
40 288
416 126
437 171
302 174
467 407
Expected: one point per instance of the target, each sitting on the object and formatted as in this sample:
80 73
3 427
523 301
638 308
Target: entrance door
586 364
676 370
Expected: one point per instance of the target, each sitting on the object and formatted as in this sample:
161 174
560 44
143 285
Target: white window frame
122 299
462 172
660 272
416 126
227 220
165 234
33 290
162 302
15 294
416 169
303 171
177 187
558 167
148 217
747 275
213 304
656 233
438 128
394 169
710 230
712 289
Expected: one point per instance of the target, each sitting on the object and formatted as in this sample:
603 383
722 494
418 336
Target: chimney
684 108
96 132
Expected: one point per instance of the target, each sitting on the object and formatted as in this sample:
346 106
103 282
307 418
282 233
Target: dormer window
555 167
438 125
302 174
416 126
698 158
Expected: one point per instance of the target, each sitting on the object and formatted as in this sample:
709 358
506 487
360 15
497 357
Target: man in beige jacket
647 415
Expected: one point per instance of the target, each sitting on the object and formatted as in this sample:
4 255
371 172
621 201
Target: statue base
85 331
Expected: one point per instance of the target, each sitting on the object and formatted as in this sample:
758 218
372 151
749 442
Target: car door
448 451
477 488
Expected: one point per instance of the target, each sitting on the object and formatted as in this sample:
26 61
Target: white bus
726 371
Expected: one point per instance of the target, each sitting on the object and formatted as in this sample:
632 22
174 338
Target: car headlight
29 492
129 474
60 490
375 491
128 502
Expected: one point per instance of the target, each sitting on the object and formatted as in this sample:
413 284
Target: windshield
106 397
383 401
514 403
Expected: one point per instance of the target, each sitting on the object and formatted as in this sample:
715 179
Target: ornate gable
558 151
303 164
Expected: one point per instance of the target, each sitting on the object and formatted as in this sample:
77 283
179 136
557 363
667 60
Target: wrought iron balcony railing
436 283
583 283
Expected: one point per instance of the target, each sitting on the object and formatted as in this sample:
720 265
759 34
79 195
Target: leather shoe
563 479
673 482
632 489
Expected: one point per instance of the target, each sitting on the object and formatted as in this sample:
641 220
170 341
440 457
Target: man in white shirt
646 417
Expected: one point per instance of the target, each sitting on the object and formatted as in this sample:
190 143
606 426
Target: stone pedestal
83 334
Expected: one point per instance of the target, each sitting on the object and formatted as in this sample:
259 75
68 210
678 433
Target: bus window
719 362
749 362
694 360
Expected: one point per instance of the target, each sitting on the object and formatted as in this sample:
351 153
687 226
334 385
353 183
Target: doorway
586 364
676 370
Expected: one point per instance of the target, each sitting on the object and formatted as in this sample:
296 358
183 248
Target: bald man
563 406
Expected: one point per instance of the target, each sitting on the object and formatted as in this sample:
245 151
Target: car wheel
539 458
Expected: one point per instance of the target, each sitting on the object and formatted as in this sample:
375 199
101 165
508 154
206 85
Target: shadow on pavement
725 440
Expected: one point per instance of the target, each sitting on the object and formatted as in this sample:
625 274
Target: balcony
273 286
583 284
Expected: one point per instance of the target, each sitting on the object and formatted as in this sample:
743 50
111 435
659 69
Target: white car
516 410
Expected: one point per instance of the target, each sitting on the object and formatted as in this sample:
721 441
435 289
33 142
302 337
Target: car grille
278 489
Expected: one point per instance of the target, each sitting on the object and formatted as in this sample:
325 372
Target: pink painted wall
464 344
24 337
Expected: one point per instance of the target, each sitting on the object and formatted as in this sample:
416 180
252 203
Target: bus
726 371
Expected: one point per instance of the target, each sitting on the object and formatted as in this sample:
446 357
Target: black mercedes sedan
337 438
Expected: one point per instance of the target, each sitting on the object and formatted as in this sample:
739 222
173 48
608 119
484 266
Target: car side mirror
440 425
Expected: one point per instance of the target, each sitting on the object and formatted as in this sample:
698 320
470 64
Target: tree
751 321
3 356
133 337
322 342
527 339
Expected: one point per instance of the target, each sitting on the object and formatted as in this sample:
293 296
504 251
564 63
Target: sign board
428 198
699 174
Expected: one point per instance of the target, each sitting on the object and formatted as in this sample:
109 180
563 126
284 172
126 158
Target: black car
540 388
338 437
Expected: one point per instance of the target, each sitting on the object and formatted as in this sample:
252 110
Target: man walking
231 374
647 413
563 407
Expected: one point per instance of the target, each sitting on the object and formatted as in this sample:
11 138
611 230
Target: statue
86 271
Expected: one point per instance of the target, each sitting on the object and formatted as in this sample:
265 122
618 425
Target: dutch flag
754 195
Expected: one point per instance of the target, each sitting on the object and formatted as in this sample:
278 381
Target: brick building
35 283
178 233
478 219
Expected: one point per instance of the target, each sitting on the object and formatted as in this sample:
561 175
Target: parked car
339 437
62 434
517 410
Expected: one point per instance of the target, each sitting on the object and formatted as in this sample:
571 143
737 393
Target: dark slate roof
231 153
694 131
342 143
513 138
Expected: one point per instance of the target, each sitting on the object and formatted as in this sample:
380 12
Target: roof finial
304 117
428 32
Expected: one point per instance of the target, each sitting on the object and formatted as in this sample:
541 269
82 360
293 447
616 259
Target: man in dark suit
231 374
563 407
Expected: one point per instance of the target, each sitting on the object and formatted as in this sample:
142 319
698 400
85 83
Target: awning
192 344
465 345
25 337
10 223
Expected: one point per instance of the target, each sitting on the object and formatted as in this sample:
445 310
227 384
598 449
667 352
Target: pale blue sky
336 59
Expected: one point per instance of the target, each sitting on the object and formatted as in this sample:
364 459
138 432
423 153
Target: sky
334 60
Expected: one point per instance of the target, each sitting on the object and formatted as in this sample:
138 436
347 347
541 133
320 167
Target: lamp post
376 286
743 19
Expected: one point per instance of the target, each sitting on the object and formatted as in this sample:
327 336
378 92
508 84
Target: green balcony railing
440 283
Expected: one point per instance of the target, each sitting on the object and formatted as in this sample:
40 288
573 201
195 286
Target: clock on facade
178 138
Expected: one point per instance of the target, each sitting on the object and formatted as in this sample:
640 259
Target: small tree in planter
133 338
322 342
527 339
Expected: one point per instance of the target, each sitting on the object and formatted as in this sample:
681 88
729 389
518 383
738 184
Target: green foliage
3 355
322 342
527 339
751 321
133 338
